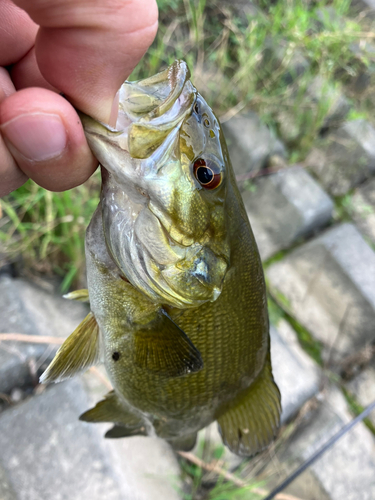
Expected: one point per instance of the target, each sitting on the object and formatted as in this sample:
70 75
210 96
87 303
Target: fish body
175 282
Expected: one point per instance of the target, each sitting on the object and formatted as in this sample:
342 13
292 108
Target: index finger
87 48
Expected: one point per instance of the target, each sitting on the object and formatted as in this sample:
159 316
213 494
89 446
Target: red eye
207 173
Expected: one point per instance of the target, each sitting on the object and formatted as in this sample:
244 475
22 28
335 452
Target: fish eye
207 173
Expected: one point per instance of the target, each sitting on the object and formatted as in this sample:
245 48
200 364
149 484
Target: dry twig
214 467
31 339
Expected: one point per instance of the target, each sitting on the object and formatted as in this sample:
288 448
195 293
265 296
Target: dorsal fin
79 351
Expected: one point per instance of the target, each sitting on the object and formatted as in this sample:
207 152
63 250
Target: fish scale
179 299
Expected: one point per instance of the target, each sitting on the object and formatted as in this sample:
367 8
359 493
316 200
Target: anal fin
163 348
250 423
111 409
79 351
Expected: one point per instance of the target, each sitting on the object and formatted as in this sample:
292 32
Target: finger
26 73
6 84
17 35
11 177
45 137
87 48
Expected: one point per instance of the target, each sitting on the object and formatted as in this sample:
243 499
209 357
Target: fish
175 281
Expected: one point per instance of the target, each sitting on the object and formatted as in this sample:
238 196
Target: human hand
84 49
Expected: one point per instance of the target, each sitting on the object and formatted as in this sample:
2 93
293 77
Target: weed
45 231
277 311
357 409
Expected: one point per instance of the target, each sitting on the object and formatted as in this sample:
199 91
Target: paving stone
345 471
345 158
297 376
362 209
362 388
46 452
285 207
328 95
366 7
26 308
250 143
327 284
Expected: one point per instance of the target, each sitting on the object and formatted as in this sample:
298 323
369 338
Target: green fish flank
175 282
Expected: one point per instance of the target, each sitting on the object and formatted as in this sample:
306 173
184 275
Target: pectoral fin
165 349
79 351
251 423
111 409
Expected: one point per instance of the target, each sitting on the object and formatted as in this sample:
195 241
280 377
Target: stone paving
328 285
299 208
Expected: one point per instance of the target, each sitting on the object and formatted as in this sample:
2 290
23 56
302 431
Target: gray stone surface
324 94
362 208
345 158
26 308
297 376
366 7
362 388
285 207
46 453
250 143
345 471
327 284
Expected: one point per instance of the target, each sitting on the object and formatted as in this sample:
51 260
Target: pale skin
84 49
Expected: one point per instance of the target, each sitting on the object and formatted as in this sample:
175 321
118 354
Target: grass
278 310
238 61
44 231
357 409
202 485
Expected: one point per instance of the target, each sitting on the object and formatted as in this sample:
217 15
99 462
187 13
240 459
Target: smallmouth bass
175 282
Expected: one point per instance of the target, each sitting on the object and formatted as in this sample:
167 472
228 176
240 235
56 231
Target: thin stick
101 377
264 172
32 339
213 467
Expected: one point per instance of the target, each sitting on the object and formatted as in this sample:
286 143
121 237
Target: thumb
87 48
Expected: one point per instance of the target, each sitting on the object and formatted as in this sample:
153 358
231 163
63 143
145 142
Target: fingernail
37 136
